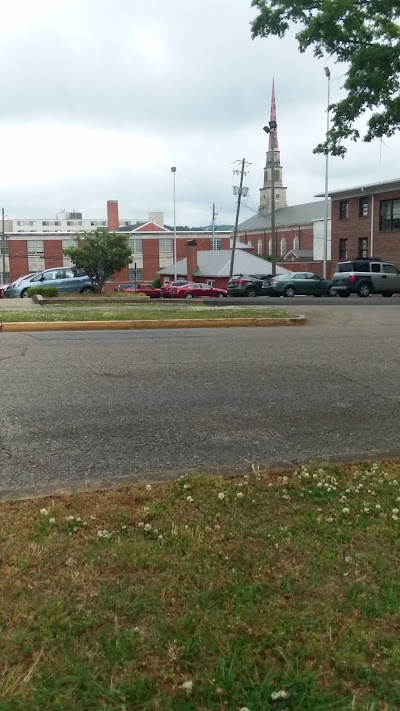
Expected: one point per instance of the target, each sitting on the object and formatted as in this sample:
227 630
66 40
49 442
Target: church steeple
280 190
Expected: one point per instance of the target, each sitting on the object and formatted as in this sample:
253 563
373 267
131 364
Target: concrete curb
150 324
273 467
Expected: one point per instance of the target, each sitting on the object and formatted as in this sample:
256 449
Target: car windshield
344 267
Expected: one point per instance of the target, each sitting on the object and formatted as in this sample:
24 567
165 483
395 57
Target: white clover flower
44 512
329 519
285 497
52 520
160 536
69 518
253 501
217 528
187 686
148 527
244 708
239 495
190 499
398 499
221 495
346 510
394 517
148 487
378 506
395 511
319 485
276 695
366 510
285 479
186 486
102 533
208 528
141 524
79 519
348 559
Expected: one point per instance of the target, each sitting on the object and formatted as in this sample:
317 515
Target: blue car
67 281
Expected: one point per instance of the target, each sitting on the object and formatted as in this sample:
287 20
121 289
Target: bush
45 291
156 283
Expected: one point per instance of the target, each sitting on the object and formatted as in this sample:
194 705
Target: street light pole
235 231
325 252
271 128
3 246
173 171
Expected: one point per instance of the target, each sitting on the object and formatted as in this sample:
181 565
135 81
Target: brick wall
18 254
315 267
53 253
304 234
353 228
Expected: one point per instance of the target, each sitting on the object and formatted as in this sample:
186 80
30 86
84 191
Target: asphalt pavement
82 407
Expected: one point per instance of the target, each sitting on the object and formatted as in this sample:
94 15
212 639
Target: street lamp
173 171
325 251
271 128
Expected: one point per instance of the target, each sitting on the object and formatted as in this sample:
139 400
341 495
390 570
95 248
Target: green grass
47 313
242 587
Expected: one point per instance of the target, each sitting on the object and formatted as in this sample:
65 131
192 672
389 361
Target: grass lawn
263 592
141 313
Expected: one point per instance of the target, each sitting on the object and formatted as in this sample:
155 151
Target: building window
20 223
276 174
343 209
135 274
57 223
363 247
390 215
45 223
216 243
296 243
259 246
277 196
166 245
343 249
6 277
69 223
363 207
66 243
5 246
269 247
283 247
104 224
135 245
210 282
35 248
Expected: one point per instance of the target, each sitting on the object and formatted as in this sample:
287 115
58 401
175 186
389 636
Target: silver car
66 280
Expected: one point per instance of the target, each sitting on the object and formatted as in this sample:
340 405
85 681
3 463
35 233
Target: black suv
249 285
365 277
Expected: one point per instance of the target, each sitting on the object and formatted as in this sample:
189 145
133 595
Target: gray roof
370 188
217 264
292 216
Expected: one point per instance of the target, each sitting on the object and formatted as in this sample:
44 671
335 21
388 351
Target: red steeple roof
272 117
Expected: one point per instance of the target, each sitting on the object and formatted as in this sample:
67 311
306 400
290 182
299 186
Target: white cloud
101 97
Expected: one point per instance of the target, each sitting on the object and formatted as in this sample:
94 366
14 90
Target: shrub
156 283
45 291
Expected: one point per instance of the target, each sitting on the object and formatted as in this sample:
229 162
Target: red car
166 288
193 291
141 287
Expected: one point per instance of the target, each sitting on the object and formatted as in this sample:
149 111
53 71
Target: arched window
259 246
283 247
249 243
296 243
269 247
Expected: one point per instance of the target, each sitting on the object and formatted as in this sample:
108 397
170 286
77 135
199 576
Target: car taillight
352 278
274 282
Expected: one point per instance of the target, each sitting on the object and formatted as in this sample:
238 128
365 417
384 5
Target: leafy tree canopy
365 34
100 254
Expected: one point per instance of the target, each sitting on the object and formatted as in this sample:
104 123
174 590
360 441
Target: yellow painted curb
149 324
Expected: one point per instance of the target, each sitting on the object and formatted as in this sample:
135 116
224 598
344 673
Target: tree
365 34
100 254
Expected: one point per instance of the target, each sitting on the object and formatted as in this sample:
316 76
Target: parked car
365 277
165 289
142 287
248 285
302 283
193 291
67 281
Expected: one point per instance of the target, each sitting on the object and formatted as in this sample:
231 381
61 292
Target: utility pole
325 252
173 171
271 128
3 245
239 192
214 216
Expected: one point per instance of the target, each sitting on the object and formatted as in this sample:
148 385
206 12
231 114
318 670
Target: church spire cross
272 117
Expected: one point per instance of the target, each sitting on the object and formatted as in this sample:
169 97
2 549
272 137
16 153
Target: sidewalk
18 305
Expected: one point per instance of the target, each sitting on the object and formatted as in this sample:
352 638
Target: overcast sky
101 97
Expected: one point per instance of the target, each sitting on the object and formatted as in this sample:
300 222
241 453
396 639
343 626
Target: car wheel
289 291
86 290
220 296
387 294
364 290
188 295
251 292
24 294
332 291
344 294
317 296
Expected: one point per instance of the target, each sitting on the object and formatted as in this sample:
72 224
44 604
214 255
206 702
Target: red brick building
365 222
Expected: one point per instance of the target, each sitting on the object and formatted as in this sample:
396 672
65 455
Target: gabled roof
144 227
301 253
216 263
289 216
